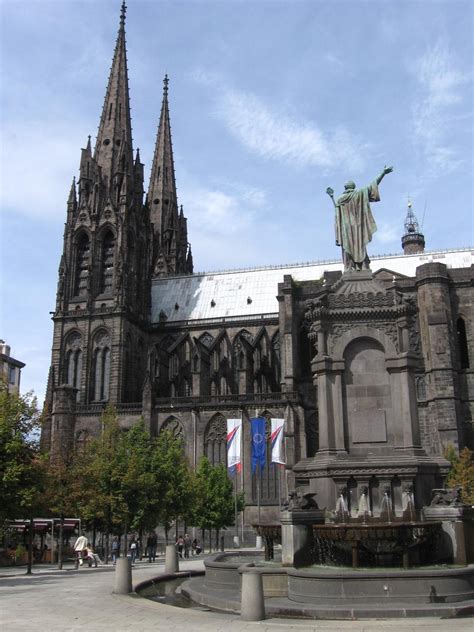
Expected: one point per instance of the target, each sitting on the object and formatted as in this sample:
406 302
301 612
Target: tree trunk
107 548
60 543
93 536
30 548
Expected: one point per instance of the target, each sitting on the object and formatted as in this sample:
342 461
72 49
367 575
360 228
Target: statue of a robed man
355 223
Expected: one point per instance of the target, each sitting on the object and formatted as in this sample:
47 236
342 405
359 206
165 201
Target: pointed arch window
174 426
463 348
101 367
215 441
269 476
108 258
73 363
81 281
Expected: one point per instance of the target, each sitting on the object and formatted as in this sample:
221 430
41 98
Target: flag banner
259 444
276 441
234 439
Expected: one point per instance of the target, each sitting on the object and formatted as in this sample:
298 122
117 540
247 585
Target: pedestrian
115 550
133 550
151 546
79 546
195 546
180 546
187 545
92 557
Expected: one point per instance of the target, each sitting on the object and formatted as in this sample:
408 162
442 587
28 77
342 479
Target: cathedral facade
372 373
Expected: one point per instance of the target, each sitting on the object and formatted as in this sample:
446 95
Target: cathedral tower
413 240
104 289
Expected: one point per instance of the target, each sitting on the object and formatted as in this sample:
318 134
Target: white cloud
440 85
274 134
387 233
223 223
38 160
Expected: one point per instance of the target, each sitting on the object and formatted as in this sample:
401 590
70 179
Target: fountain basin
375 587
374 543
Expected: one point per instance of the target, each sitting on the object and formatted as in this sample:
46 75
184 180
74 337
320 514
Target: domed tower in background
413 240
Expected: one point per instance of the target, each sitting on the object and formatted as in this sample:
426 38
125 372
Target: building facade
372 373
10 368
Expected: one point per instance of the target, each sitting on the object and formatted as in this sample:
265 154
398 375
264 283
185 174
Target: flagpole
258 481
242 463
235 503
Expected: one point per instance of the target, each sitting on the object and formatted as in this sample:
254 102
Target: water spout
342 510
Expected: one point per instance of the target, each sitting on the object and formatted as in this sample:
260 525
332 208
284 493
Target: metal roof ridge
307 264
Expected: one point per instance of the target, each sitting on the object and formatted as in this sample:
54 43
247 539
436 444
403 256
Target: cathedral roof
251 293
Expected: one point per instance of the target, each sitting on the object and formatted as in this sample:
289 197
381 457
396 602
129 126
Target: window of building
215 441
81 284
462 343
11 374
107 269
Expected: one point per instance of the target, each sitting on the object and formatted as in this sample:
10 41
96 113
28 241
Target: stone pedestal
297 536
252 607
123 576
457 542
171 559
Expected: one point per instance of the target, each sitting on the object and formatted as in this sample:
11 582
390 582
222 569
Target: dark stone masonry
371 370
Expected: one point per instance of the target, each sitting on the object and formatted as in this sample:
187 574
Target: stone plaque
368 426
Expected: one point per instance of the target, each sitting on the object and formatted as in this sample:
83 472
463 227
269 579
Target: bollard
123 576
236 542
252 605
259 542
171 559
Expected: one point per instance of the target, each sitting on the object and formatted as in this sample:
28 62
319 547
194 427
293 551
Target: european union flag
259 443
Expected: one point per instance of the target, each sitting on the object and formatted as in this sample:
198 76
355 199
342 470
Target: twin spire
114 148
113 155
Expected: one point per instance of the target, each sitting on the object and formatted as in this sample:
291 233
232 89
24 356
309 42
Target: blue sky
271 102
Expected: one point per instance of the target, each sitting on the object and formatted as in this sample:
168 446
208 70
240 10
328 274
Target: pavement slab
70 600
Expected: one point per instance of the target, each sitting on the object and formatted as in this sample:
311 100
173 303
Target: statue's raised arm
355 223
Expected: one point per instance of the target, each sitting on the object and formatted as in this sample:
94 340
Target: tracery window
74 362
107 268
270 475
101 367
215 440
174 426
81 281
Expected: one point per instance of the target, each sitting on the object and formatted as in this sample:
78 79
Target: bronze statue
355 223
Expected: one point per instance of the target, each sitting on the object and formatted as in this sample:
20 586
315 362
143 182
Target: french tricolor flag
234 439
277 441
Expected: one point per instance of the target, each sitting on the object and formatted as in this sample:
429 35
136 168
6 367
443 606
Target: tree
215 498
21 472
99 473
174 480
461 473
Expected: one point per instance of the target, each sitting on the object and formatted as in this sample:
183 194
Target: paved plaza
69 600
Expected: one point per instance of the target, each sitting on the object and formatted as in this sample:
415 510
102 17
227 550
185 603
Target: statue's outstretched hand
387 170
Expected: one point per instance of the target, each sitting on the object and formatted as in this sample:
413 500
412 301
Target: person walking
133 550
187 545
180 546
79 546
115 550
151 544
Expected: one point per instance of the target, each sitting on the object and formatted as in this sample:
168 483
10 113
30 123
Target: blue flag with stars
259 443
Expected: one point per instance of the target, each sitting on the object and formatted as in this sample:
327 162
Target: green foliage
175 484
461 473
21 472
215 502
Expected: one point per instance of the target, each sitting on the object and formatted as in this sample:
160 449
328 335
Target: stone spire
169 225
113 150
413 240
162 198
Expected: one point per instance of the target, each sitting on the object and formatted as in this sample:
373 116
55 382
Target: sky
271 102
